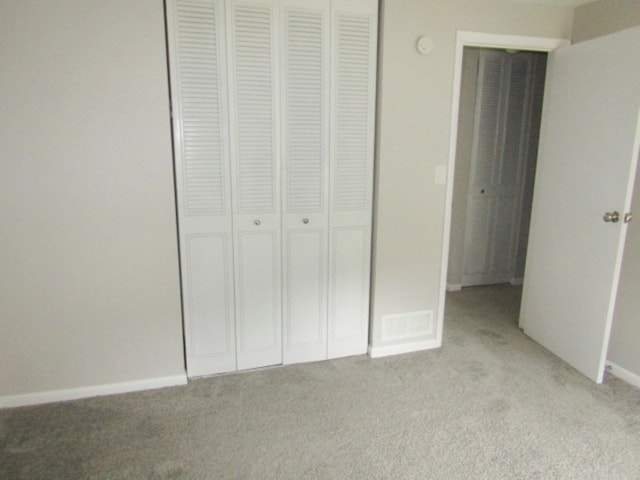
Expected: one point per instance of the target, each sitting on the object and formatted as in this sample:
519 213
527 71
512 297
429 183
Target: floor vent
407 325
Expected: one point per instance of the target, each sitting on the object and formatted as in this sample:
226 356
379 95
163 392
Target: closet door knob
257 222
305 220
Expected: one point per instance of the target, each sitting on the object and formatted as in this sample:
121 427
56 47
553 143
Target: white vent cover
408 325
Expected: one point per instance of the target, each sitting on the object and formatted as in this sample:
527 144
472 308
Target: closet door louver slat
197 55
305 110
353 113
253 83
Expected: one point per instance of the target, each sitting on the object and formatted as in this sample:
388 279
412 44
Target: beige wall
466 116
594 20
604 16
89 286
415 115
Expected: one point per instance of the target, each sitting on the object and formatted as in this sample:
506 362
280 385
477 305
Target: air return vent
407 325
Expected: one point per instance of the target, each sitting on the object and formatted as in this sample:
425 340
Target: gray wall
466 116
89 286
624 345
415 94
604 16
594 20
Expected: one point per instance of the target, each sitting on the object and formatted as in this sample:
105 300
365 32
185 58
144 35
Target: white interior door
587 158
499 153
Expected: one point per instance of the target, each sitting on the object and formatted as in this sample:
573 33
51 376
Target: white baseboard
92 391
624 374
454 287
516 282
376 352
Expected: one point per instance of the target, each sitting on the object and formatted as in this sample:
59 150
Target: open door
588 152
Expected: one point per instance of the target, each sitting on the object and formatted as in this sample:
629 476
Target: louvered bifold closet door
198 90
305 154
255 156
354 33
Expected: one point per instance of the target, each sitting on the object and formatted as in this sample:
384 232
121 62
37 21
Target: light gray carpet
490 404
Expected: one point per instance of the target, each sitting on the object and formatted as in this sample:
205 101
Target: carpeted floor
490 404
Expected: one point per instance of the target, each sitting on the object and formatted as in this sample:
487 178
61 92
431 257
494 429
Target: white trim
516 282
454 287
92 391
623 374
487 40
385 351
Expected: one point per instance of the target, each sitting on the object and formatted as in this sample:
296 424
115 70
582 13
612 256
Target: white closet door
255 159
198 89
305 119
354 33
498 155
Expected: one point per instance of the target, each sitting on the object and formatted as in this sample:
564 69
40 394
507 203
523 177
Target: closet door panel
350 290
306 294
208 274
354 33
196 41
258 298
305 117
255 158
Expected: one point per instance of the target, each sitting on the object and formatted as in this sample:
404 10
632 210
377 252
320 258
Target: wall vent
408 325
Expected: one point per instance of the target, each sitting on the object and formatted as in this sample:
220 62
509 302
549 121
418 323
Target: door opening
498 130
513 44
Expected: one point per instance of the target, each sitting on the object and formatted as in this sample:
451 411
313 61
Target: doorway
476 40
498 130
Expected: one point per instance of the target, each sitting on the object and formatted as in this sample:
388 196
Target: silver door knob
627 217
257 222
613 217
305 220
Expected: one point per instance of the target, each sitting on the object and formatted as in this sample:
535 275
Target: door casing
483 40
